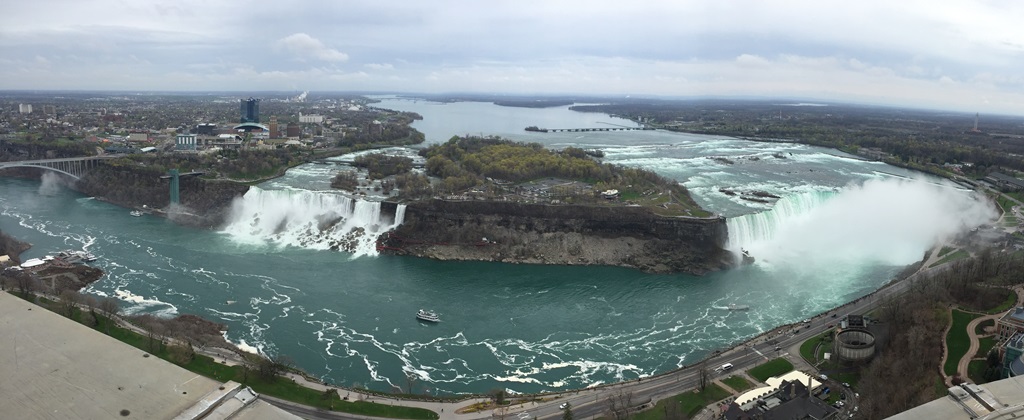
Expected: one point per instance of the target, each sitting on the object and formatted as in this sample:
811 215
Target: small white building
311 119
185 142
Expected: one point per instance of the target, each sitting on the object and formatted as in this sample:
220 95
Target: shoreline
777 331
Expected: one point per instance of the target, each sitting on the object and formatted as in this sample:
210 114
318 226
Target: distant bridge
73 167
576 130
352 162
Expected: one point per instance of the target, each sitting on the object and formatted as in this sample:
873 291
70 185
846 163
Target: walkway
965 361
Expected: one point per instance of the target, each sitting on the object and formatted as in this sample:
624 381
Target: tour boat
135 213
427 316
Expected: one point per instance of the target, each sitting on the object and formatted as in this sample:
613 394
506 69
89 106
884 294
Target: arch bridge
74 167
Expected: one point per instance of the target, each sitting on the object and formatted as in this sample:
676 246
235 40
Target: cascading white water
887 221
750 229
310 219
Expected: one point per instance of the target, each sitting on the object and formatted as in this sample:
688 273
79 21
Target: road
590 403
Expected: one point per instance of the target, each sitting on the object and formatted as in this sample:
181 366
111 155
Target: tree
68 302
567 411
111 308
26 284
410 382
498 395
619 405
703 375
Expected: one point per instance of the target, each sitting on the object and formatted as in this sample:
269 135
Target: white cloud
379 66
305 46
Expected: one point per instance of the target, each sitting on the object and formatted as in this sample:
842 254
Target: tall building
49 110
25 108
250 110
273 127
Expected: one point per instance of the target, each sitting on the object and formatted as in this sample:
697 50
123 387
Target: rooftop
999 400
1015 315
56 368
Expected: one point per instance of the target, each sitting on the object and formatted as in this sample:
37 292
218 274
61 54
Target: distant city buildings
49 110
273 128
25 108
311 119
250 111
185 142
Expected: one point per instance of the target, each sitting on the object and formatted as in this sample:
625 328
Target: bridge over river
75 167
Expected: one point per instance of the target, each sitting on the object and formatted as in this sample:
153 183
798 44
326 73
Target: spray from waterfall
888 221
310 219
51 184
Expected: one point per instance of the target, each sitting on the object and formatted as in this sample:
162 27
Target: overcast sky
959 55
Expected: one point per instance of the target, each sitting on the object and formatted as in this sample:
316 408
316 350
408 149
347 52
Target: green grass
1009 302
985 344
951 257
774 367
807 348
738 383
852 378
980 329
976 371
690 403
945 250
957 341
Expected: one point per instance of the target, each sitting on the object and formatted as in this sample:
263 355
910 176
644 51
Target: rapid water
348 316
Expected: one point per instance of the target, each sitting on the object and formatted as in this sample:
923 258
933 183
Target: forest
906 372
466 162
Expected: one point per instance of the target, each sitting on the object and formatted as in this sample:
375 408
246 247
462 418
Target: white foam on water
889 221
310 219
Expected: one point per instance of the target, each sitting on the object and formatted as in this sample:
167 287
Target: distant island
492 199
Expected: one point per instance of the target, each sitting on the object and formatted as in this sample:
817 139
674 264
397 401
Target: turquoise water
350 320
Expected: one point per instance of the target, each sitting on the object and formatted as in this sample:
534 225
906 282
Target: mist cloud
886 221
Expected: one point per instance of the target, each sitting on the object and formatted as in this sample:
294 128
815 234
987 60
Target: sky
956 55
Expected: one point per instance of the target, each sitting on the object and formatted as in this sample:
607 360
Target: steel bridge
73 167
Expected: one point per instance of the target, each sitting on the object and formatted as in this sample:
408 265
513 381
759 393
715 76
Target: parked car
823 377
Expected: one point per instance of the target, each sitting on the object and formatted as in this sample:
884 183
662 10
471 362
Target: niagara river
824 228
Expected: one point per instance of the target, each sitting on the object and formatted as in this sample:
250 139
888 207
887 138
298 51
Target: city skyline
960 56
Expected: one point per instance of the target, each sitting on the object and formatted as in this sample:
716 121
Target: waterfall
752 229
310 219
888 221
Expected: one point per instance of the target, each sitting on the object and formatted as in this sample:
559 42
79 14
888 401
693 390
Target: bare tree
90 303
619 405
154 330
111 308
410 382
68 302
26 284
703 375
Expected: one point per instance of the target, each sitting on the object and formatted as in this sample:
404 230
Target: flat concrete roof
1008 393
56 368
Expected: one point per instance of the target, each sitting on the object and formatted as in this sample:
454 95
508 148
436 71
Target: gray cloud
962 55
305 46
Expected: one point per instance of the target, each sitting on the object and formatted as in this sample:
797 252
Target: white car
823 377
562 407
524 416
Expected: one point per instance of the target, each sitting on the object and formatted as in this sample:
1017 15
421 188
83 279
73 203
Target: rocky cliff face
203 203
562 234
